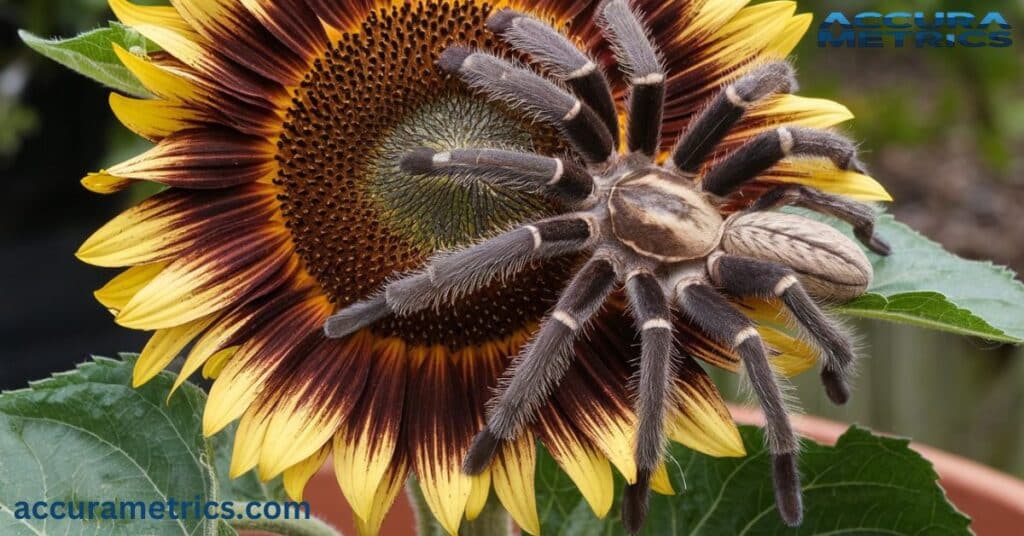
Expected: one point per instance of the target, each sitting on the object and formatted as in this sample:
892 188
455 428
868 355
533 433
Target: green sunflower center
356 219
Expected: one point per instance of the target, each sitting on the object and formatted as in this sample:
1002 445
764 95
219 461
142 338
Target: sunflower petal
438 434
169 222
660 482
203 282
588 469
827 178
513 476
479 492
202 159
700 420
103 183
242 38
249 438
365 445
790 36
153 119
244 375
309 395
162 25
120 290
213 366
390 485
158 80
297 476
792 356
292 22
164 346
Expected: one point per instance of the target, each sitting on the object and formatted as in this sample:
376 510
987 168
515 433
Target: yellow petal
119 290
164 26
249 438
164 346
158 80
588 469
660 482
747 35
384 497
828 178
203 284
297 476
700 420
792 110
231 395
145 233
296 430
153 119
794 356
217 362
478 495
513 475
790 37
105 183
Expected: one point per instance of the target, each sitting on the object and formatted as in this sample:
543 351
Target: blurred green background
943 129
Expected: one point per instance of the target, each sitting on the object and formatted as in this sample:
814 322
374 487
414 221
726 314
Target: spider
657 230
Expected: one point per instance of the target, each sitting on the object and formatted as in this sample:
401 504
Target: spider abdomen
829 264
660 217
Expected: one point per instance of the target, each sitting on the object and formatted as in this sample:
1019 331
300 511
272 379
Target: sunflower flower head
280 129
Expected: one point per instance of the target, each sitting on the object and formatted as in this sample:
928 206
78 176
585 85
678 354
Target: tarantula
657 230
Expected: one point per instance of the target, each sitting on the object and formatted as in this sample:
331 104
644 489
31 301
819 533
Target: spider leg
744 276
768 148
450 276
562 59
641 63
710 311
859 215
542 363
557 177
715 122
519 87
653 318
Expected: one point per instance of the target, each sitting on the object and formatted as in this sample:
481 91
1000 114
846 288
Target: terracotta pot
994 500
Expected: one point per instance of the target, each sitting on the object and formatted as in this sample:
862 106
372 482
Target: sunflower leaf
922 284
92 54
865 484
87 435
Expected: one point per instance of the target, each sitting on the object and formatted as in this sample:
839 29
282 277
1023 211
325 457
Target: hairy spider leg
744 276
450 276
560 178
858 215
653 318
640 62
523 89
715 122
542 363
716 317
768 148
562 59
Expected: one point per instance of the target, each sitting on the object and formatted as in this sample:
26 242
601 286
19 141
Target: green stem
492 521
286 527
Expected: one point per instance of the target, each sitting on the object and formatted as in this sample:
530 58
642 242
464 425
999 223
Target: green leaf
925 285
865 484
92 54
87 435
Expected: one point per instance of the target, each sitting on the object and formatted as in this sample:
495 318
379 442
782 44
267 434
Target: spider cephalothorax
657 230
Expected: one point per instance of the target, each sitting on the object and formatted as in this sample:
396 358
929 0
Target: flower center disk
356 219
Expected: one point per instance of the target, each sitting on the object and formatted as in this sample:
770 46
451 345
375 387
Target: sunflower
278 129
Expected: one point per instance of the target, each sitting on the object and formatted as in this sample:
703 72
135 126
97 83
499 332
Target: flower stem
286 527
492 521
